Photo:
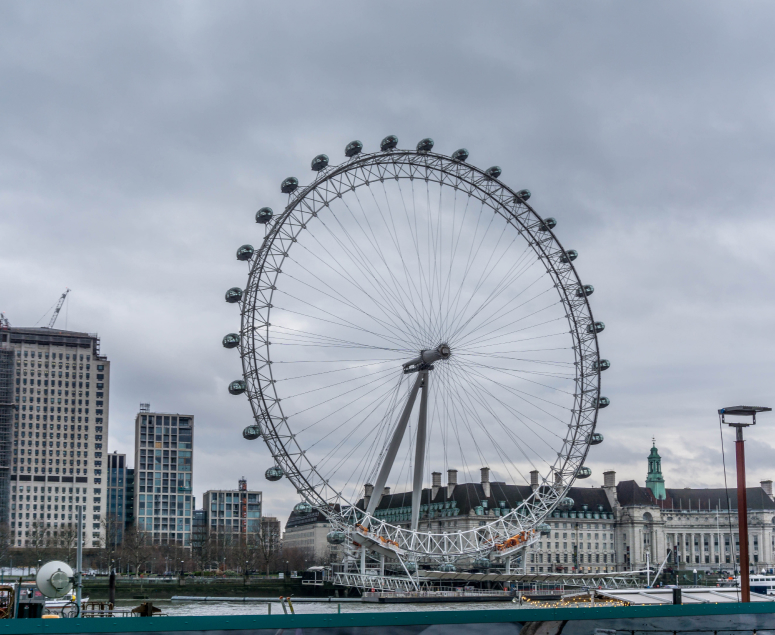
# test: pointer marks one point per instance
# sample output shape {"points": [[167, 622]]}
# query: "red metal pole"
{"points": [[742, 517]]}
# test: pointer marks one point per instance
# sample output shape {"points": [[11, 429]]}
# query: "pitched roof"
{"points": [[715, 498], [630, 493], [467, 496]]}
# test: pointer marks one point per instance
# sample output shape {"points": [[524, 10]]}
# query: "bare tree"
{"points": [[38, 540], [6, 542], [136, 549], [64, 542], [268, 544]]}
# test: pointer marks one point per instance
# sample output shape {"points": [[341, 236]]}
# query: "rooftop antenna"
{"points": [[742, 502]]}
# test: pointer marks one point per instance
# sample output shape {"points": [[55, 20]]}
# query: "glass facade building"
{"points": [[116, 496], [163, 505]]}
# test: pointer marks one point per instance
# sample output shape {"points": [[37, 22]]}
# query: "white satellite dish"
{"points": [[54, 579]]}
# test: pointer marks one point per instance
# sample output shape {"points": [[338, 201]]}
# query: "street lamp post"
{"points": [[742, 502]]}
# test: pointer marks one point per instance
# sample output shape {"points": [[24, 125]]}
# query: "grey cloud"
{"points": [[140, 138]]}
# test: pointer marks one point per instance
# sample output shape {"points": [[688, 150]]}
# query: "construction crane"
{"points": [[57, 309]]}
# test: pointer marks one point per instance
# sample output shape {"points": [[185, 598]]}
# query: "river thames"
{"points": [[182, 608]]}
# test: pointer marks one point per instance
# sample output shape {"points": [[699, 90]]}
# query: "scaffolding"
{"points": [[7, 407]]}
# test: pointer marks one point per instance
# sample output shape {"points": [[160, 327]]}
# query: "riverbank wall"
{"points": [[158, 589]]}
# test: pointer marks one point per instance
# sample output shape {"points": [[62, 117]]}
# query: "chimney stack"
{"points": [[534, 480], [767, 487], [558, 478], [386, 491], [368, 491], [436, 480], [451, 482], [609, 478], [486, 481]]}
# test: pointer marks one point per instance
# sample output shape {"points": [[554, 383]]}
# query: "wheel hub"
{"points": [[427, 358]]}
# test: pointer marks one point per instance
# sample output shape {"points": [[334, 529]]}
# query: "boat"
{"points": [[761, 583], [60, 603]]}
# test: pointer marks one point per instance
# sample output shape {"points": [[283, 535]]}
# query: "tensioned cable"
{"points": [[729, 506], [364, 259], [393, 315]]}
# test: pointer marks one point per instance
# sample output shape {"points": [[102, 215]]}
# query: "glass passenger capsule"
{"points": [[274, 473], [569, 256], [583, 472], [251, 433], [448, 567], [481, 563], [302, 508], [264, 215], [389, 142], [335, 537], [460, 155], [234, 295], [603, 402], [602, 365], [245, 252], [319, 162], [584, 291], [237, 387], [289, 185], [523, 195], [544, 529], [595, 438], [597, 327], [494, 172], [566, 503], [231, 340], [411, 566], [426, 145], [353, 148], [547, 224]]}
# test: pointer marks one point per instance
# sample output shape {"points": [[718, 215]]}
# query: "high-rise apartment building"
{"points": [[233, 514], [162, 474], [60, 390]]}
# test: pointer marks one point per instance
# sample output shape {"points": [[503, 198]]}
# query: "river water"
{"points": [[262, 608]]}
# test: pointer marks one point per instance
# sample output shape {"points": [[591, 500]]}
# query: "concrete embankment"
{"points": [[127, 589]]}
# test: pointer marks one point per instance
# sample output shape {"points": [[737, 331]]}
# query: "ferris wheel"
{"points": [[406, 314]]}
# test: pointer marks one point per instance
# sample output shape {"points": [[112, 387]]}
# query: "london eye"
{"points": [[408, 314]]}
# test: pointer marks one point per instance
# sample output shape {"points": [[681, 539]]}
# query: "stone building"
{"points": [[307, 531], [232, 515], [698, 527], [617, 527], [59, 384]]}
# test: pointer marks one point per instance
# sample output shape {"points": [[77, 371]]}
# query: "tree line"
{"points": [[130, 551]]}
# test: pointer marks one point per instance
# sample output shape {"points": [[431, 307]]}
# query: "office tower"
{"points": [[233, 514], [61, 389], [115, 498], [129, 502], [7, 406], [163, 469]]}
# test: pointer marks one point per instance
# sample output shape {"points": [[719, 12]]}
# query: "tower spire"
{"points": [[654, 479]]}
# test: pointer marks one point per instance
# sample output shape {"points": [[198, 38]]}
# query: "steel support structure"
{"points": [[742, 516]]}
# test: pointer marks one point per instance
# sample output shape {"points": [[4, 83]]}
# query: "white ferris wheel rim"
{"points": [[308, 202]]}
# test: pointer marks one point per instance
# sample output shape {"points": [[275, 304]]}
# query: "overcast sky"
{"points": [[138, 139]]}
